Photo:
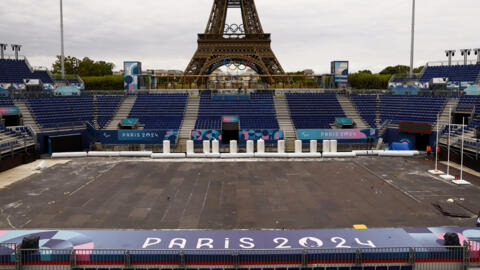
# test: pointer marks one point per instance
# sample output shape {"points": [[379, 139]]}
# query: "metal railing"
{"points": [[12, 257]]}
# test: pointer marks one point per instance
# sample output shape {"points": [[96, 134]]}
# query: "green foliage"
{"points": [[111, 82], [70, 65], [83, 67], [395, 70], [366, 71], [364, 80]]}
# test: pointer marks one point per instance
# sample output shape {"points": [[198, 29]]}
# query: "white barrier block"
{"points": [[260, 146], [103, 154], [190, 147], [166, 147], [136, 153], [271, 155], [250, 147], [215, 147], [397, 154], [233, 147], [206, 147], [326, 146], [313, 146], [339, 155], [237, 155], [298, 146], [69, 155], [169, 155], [333, 146], [281, 147], [304, 155]]}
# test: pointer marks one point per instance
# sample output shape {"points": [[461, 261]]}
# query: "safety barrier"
{"points": [[211, 149], [306, 259]]}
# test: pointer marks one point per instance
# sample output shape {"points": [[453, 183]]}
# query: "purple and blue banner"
{"points": [[268, 135], [136, 136], [230, 119], [336, 134], [10, 110], [242, 239], [130, 74], [200, 135]]}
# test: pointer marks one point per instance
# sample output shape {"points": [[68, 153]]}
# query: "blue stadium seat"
{"points": [[160, 111], [314, 111], [456, 73], [257, 112]]}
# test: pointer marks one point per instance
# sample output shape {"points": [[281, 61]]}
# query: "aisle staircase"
{"points": [[122, 113], [352, 112], [444, 117], [95, 112], [189, 120], [285, 121], [28, 119]]}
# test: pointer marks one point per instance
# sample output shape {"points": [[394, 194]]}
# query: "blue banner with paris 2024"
{"points": [[336, 134]]}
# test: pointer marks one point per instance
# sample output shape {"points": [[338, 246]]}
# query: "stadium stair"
{"points": [[188, 124], [444, 115], [285, 121], [122, 113], [352, 112], [95, 112], [28, 119]]}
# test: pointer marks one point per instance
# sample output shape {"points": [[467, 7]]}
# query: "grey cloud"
{"points": [[370, 34]]}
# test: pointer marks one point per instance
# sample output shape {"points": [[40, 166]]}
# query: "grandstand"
{"points": [[455, 73], [256, 111], [159, 111], [312, 111]]}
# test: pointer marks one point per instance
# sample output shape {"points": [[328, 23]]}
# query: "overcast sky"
{"points": [[371, 34]]}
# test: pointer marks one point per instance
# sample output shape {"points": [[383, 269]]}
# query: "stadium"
{"points": [[235, 163]]}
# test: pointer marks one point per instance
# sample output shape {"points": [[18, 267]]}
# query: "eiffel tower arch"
{"points": [[236, 42]]}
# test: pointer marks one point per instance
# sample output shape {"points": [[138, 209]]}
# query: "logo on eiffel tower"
{"points": [[234, 41]]}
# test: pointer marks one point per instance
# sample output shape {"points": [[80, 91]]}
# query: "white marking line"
{"points": [[168, 207], [206, 195], [10, 223], [81, 187]]}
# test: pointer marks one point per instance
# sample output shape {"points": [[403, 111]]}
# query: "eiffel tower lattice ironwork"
{"points": [[236, 42]]}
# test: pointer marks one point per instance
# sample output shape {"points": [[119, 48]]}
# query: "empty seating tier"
{"points": [[106, 107], [160, 111], [62, 111], [469, 103], [14, 71], [257, 112], [367, 107], [460, 73], [314, 111], [411, 108]]}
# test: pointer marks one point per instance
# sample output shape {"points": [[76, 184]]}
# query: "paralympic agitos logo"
{"points": [[237, 65]]}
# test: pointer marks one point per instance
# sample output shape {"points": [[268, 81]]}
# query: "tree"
{"points": [[395, 70], [70, 65], [84, 67], [366, 71]]}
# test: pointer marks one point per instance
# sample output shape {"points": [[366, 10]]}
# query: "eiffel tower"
{"points": [[236, 42]]}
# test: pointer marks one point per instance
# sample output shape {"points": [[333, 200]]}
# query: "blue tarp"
{"points": [[400, 146]]}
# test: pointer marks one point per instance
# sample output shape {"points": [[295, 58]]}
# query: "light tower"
{"points": [[450, 54], [412, 48], [61, 40], [3, 47], [465, 54], [477, 53], [16, 49]]}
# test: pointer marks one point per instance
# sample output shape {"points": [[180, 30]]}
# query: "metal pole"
{"points": [[436, 148], [61, 37], [449, 132], [412, 48], [463, 133]]}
